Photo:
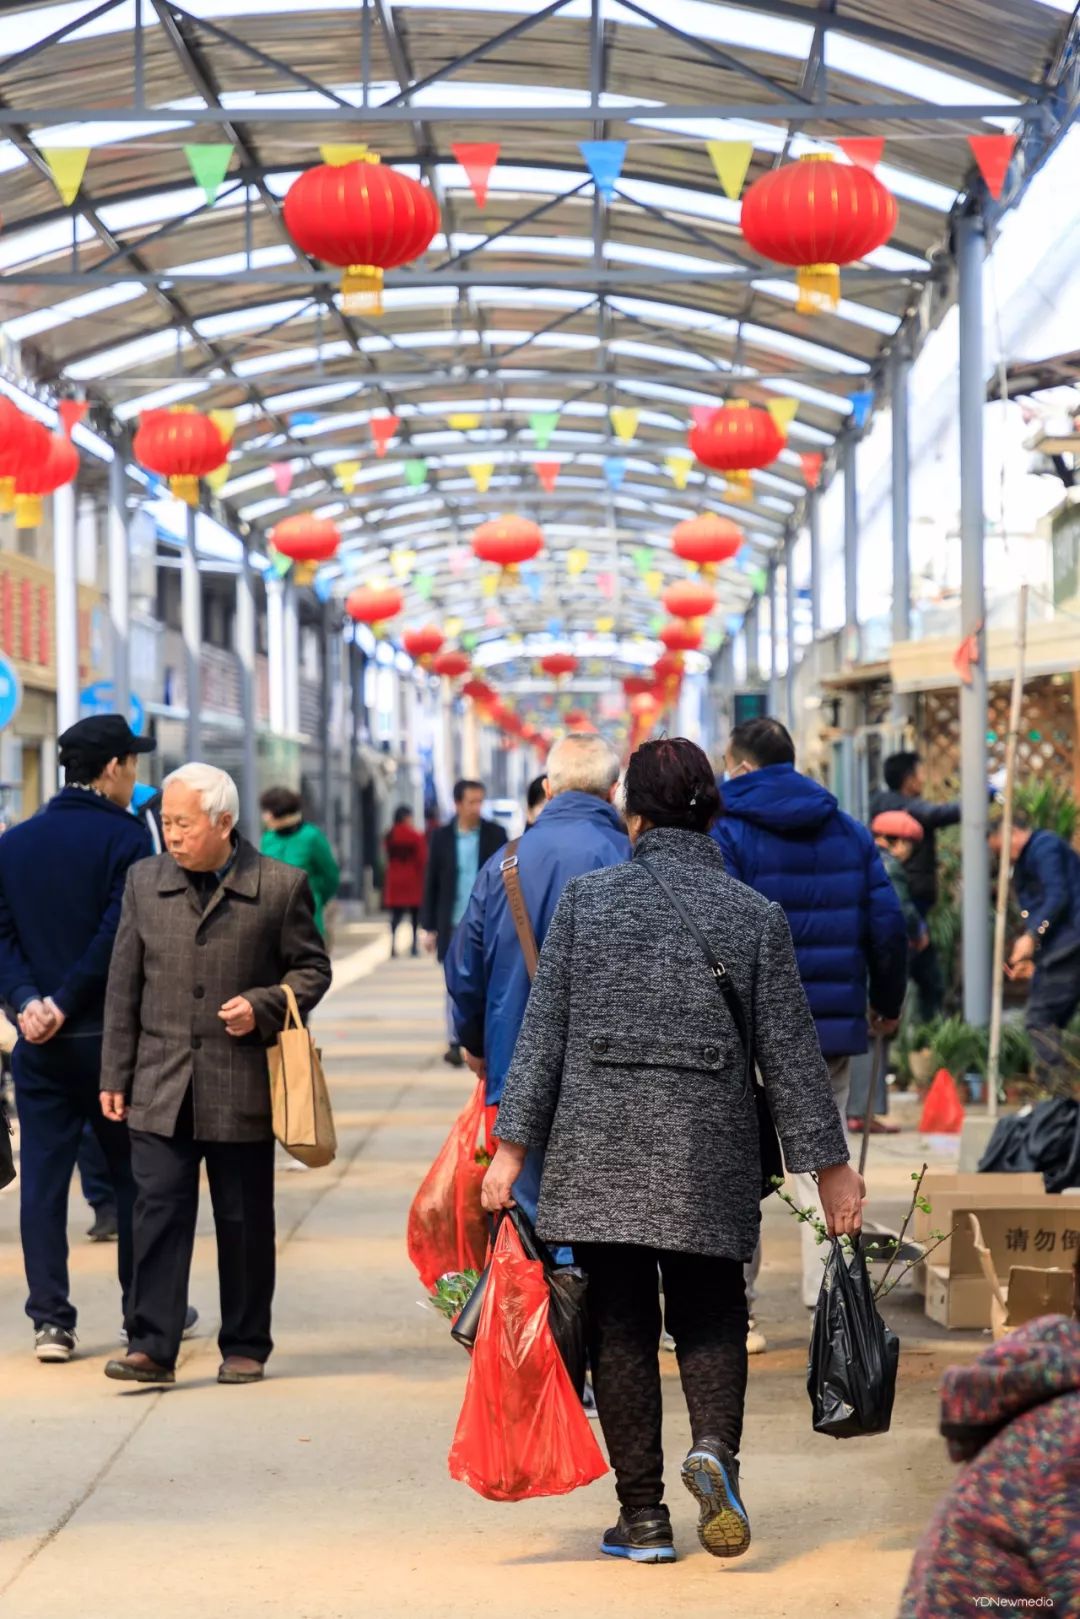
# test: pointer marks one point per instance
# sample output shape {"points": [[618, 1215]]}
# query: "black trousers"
{"points": [[241, 1176], [398, 913], [705, 1312], [1054, 998]]}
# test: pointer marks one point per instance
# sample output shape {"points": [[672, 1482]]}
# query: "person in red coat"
{"points": [[403, 888]]}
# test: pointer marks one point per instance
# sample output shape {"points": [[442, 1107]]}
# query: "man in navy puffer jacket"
{"points": [[785, 835]]}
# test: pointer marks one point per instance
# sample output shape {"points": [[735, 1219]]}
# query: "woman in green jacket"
{"points": [[297, 842]]}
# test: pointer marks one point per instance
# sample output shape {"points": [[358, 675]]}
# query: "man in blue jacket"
{"points": [[785, 835], [1046, 874], [578, 831], [62, 879]]}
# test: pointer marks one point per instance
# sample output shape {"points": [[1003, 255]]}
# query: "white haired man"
{"points": [[208, 933]]}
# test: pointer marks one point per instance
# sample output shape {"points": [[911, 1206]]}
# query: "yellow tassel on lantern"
{"points": [[739, 486], [819, 288], [362, 289], [7, 494], [27, 511], [304, 572], [185, 488]]}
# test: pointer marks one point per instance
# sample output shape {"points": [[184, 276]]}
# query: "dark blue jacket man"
{"points": [[577, 831], [1046, 875], [62, 877]]}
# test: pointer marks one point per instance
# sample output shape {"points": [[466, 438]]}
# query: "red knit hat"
{"points": [[896, 824]]}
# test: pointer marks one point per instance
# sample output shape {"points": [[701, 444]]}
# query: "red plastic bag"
{"points": [[943, 1111], [448, 1229], [522, 1431]]}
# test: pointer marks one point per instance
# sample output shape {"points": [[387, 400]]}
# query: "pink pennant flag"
{"points": [[383, 429], [283, 476], [477, 158], [548, 473], [993, 154], [812, 462], [966, 654], [72, 412], [605, 584], [864, 152], [702, 415]]}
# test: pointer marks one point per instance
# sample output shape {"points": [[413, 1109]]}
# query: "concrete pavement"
{"points": [[323, 1493]]}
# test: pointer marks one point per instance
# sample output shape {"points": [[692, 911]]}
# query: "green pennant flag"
{"points": [[760, 581], [208, 165], [656, 623], [643, 559], [542, 424], [415, 473], [424, 585], [469, 641], [280, 564]]}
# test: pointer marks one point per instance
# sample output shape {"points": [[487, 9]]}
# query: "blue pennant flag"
{"points": [[605, 160], [614, 470], [733, 623], [303, 418], [861, 404], [323, 586], [533, 582], [554, 626]]}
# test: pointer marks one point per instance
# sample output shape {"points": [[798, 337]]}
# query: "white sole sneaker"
{"points": [[52, 1353]]}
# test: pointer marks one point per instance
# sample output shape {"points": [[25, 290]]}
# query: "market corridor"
{"points": [[323, 1494]]}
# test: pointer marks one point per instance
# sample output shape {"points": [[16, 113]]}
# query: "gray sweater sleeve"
{"points": [[789, 1056], [531, 1093]]}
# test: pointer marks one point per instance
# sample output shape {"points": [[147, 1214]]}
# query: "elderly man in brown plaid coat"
{"points": [[207, 933]]}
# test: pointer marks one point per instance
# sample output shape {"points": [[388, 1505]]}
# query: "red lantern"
{"points": [[46, 462], [422, 644], [636, 686], [181, 445], [451, 665], [366, 605], [689, 599], [736, 438], [14, 430], [577, 720], [706, 541], [558, 664], [364, 218], [306, 540], [816, 215], [508, 541], [680, 637], [669, 667], [479, 691]]}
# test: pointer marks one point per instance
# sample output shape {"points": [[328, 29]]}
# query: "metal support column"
{"points": [[789, 630], [851, 551], [191, 627], [275, 654], [291, 625], [119, 584], [813, 513], [774, 644], [356, 803], [325, 675], [900, 367], [970, 252], [67, 608], [244, 636], [752, 636]]}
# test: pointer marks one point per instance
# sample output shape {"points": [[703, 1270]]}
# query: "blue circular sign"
{"points": [[10, 692]]}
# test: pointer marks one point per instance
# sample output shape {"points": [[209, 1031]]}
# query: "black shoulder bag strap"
{"points": [[772, 1162]]}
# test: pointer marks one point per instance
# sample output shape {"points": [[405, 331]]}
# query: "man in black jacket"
{"points": [[458, 851]]}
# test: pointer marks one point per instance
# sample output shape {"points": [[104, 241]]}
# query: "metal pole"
{"points": [[789, 626], [275, 654], [356, 716], [774, 644], [191, 627], [291, 694], [975, 855], [324, 714], [813, 512], [900, 367], [851, 551], [997, 982], [119, 583], [66, 608], [244, 634]]}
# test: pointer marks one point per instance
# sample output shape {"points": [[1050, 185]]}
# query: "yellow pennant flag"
{"points": [[463, 421], [577, 561], [654, 581], [337, 156], [218, 478], [346, 473], [624, 420], [481, 472], [225, 422], [783, 412], [731, 160], [67, 165], [489, 584], [604, 626], [402, 563], [678, 469], [453, 628]]}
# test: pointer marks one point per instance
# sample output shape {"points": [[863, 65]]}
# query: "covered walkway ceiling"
{"points": [[548, 298]]}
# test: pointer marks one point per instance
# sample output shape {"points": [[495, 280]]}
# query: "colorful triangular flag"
{"points": [[279, 563], [533, 581], [702, 415], [812, 462], [463, 421], [346, 473], [477, 158], [337, 155], [489, 584], [678, 469], [542, 424], [643, 559], [72, 412], [731, 160], [966, 654], [605, 584], [783, 412], [303, 418], [459, 560], [209, 165], [604, 160], [481, 473], [993, 154], [219, 477], [402, 563], [864, 152], [415, 473], [861, 403], [67, 165], [624, 419], [577, 560], [654, 581], [759, 579], [604, 626], [225, 422], [283, 476], [614, 470], [548, 473], [383, 429], [424, 586]]}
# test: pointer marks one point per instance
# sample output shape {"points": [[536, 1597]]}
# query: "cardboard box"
{"points": [[947, 1190], [1040, 1235], [1027, 1293]]}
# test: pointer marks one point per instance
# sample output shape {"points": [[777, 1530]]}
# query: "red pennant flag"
{"points": [[702, 415], [548, 473], [812, 462], [993, 154], [383, 429], [477, 158], [72, 411], [965, 655], [865, 153]]}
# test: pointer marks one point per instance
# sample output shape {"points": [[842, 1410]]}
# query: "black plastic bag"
{"points": [[853, 1354], [1046, 1140], [7, 1157], [567, 1286]]}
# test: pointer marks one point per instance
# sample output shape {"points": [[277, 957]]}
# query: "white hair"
{"points": [[582, 762], [216, 789]]}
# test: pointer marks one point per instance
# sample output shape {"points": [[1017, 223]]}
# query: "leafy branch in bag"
{"points": [[451, 1292]]}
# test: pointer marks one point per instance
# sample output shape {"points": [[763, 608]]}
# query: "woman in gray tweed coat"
{"points": [[629, 1074]]}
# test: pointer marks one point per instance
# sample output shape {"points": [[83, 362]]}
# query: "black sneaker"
{"points": [[453, 1056], [642, 1535], [54, 1344], [104, 1228], [711, 1474]]}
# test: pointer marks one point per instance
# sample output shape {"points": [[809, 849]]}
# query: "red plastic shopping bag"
{"points": [[522, 1431], [448, 1230], [943, 1111]]}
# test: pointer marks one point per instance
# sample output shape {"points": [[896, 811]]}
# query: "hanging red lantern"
{"points": [[15, 428], [636, 685], [479, 691], [668, 667], [734, 439], [305, 538], [817, 215], [451, 665], [369, 605], [423, 643], [679, 636], [46, 463], [558, 664], [689, 598], [363, 217], [706, 541], [576, 719], [508, 541], [181, 445]]}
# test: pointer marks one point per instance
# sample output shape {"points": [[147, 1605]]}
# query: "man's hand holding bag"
{"points": [[299, 1096]]}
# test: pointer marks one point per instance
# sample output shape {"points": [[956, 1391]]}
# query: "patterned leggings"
{"points": [[705, 1312]]}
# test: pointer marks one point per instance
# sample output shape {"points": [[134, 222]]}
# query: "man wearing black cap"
{"points": [[62, 877]]}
